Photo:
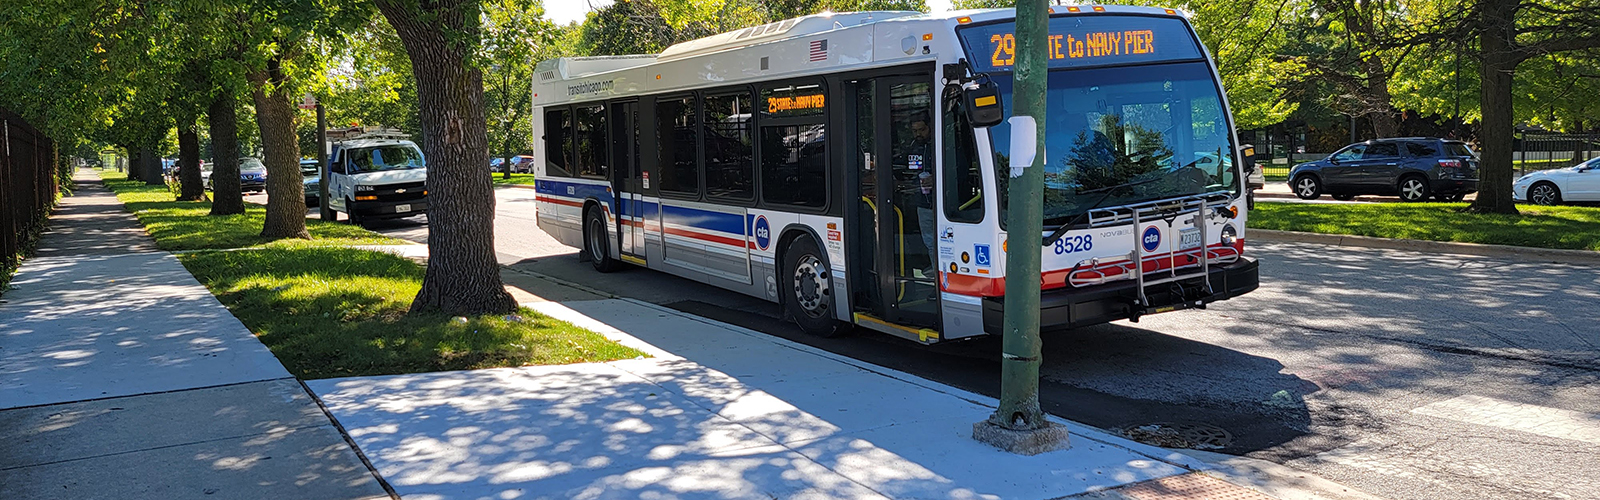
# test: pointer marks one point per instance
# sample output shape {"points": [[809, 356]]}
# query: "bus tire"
{"points": [[808, 289], [595, 243]]}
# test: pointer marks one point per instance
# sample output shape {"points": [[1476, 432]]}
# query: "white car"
{"points": [[1579, 182]]}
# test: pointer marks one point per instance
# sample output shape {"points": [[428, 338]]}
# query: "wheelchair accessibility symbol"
{"points": [[980, 255]]}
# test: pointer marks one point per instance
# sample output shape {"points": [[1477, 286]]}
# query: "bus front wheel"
{"points": [[808, 289]]}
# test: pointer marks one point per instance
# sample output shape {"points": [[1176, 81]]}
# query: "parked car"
{"points": [[312, 179], [1414, 168], [1579, 182], [252, 175], [522, 164]]}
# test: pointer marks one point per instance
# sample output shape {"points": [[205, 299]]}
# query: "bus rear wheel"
{"points": [[808, 289], [596, 243]]}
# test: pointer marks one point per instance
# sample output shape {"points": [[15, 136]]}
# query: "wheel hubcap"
{"points": [[1412, 190], [596, 233], [1543, 195], [812, 287], [1308, 187]]}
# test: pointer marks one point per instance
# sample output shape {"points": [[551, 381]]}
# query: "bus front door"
{"points": [[895, 167], [628, 185]]}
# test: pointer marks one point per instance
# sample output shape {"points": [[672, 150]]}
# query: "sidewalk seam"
{"points": [[108, 398], [163, 447], [384, 483]]}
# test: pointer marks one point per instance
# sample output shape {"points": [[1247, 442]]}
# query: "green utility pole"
{"points": [[1018, 425]]}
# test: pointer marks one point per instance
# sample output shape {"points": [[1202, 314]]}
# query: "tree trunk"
{"points": [[1384, 125], [150, 168], [1383, 121], [286, 197], [462, 277], [134, 163], [189, 163], [224, 119], [1494, 165]]}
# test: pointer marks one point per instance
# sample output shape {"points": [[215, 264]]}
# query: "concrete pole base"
{"points": [[1052, 437]]}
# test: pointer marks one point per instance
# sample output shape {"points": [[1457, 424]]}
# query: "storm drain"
{"points": [[1176, 435], [1190, 487]]}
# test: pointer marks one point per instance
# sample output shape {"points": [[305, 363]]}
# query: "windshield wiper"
{"points": [[1108, 190]]}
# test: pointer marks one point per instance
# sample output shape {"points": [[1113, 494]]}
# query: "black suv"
{"points": [[1414, 168]]}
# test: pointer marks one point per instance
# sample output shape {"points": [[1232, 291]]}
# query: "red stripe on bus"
{"points": [[559, 201], [704, 237]]}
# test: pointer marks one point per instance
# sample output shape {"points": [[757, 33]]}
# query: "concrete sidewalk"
{"points": [[723, 412], [123, 377]]}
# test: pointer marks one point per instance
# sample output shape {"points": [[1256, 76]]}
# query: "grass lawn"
{"points": [[186, 225], [517, 179], [339, 312], [1543, 227]]}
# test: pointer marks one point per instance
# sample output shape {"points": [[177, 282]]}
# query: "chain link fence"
{"points": [[28, 187]]}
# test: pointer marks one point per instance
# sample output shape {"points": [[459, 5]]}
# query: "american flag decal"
{"points": [[819, 50]]}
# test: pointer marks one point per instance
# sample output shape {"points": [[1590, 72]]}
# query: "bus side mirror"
{"points": [[1247, 155], [983, 104]]}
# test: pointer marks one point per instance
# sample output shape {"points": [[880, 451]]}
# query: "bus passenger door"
{"points": [[628, 186], [895, 165]]}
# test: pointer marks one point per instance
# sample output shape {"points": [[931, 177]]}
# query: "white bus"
{"points": [[830, 163]]}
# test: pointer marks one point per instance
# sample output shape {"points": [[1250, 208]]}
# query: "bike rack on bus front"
{"points": [[1092, 272]]}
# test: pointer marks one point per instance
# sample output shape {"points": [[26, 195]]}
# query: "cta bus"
{"points": [[852, 167]]}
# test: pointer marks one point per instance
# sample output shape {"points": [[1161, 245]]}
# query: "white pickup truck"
{"points": [[377, 177]]}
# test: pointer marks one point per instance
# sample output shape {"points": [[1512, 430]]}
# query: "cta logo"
{"points": [[1151, 239], [763, 232]]}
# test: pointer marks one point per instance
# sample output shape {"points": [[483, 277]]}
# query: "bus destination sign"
{"points": [[777, 105], [1086, 45], [1086, 41]]}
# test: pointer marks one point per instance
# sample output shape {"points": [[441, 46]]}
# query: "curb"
{"points": [[1582, 257], [518, 186], [1260, 195]]}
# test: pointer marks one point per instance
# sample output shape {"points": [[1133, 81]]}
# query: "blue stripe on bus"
{"points": [[579, 190], [696, 218], [704, 219]]}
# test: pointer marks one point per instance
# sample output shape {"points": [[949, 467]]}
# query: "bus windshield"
{"points": [[1160, 127]]}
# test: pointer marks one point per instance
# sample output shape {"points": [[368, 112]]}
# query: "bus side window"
{"points": [[558, 142], [793, 165], [591, 139], [963, 177], [676, 122], [729, 153]]}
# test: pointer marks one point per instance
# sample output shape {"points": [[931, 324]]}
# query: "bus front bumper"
{"points": [[1066, 308]]}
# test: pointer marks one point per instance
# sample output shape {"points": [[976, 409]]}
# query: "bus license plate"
{"points": [[1189, 238], [407, 208]]}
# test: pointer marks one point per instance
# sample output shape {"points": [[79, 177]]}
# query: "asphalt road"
{"points": [[1403, 374]]}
